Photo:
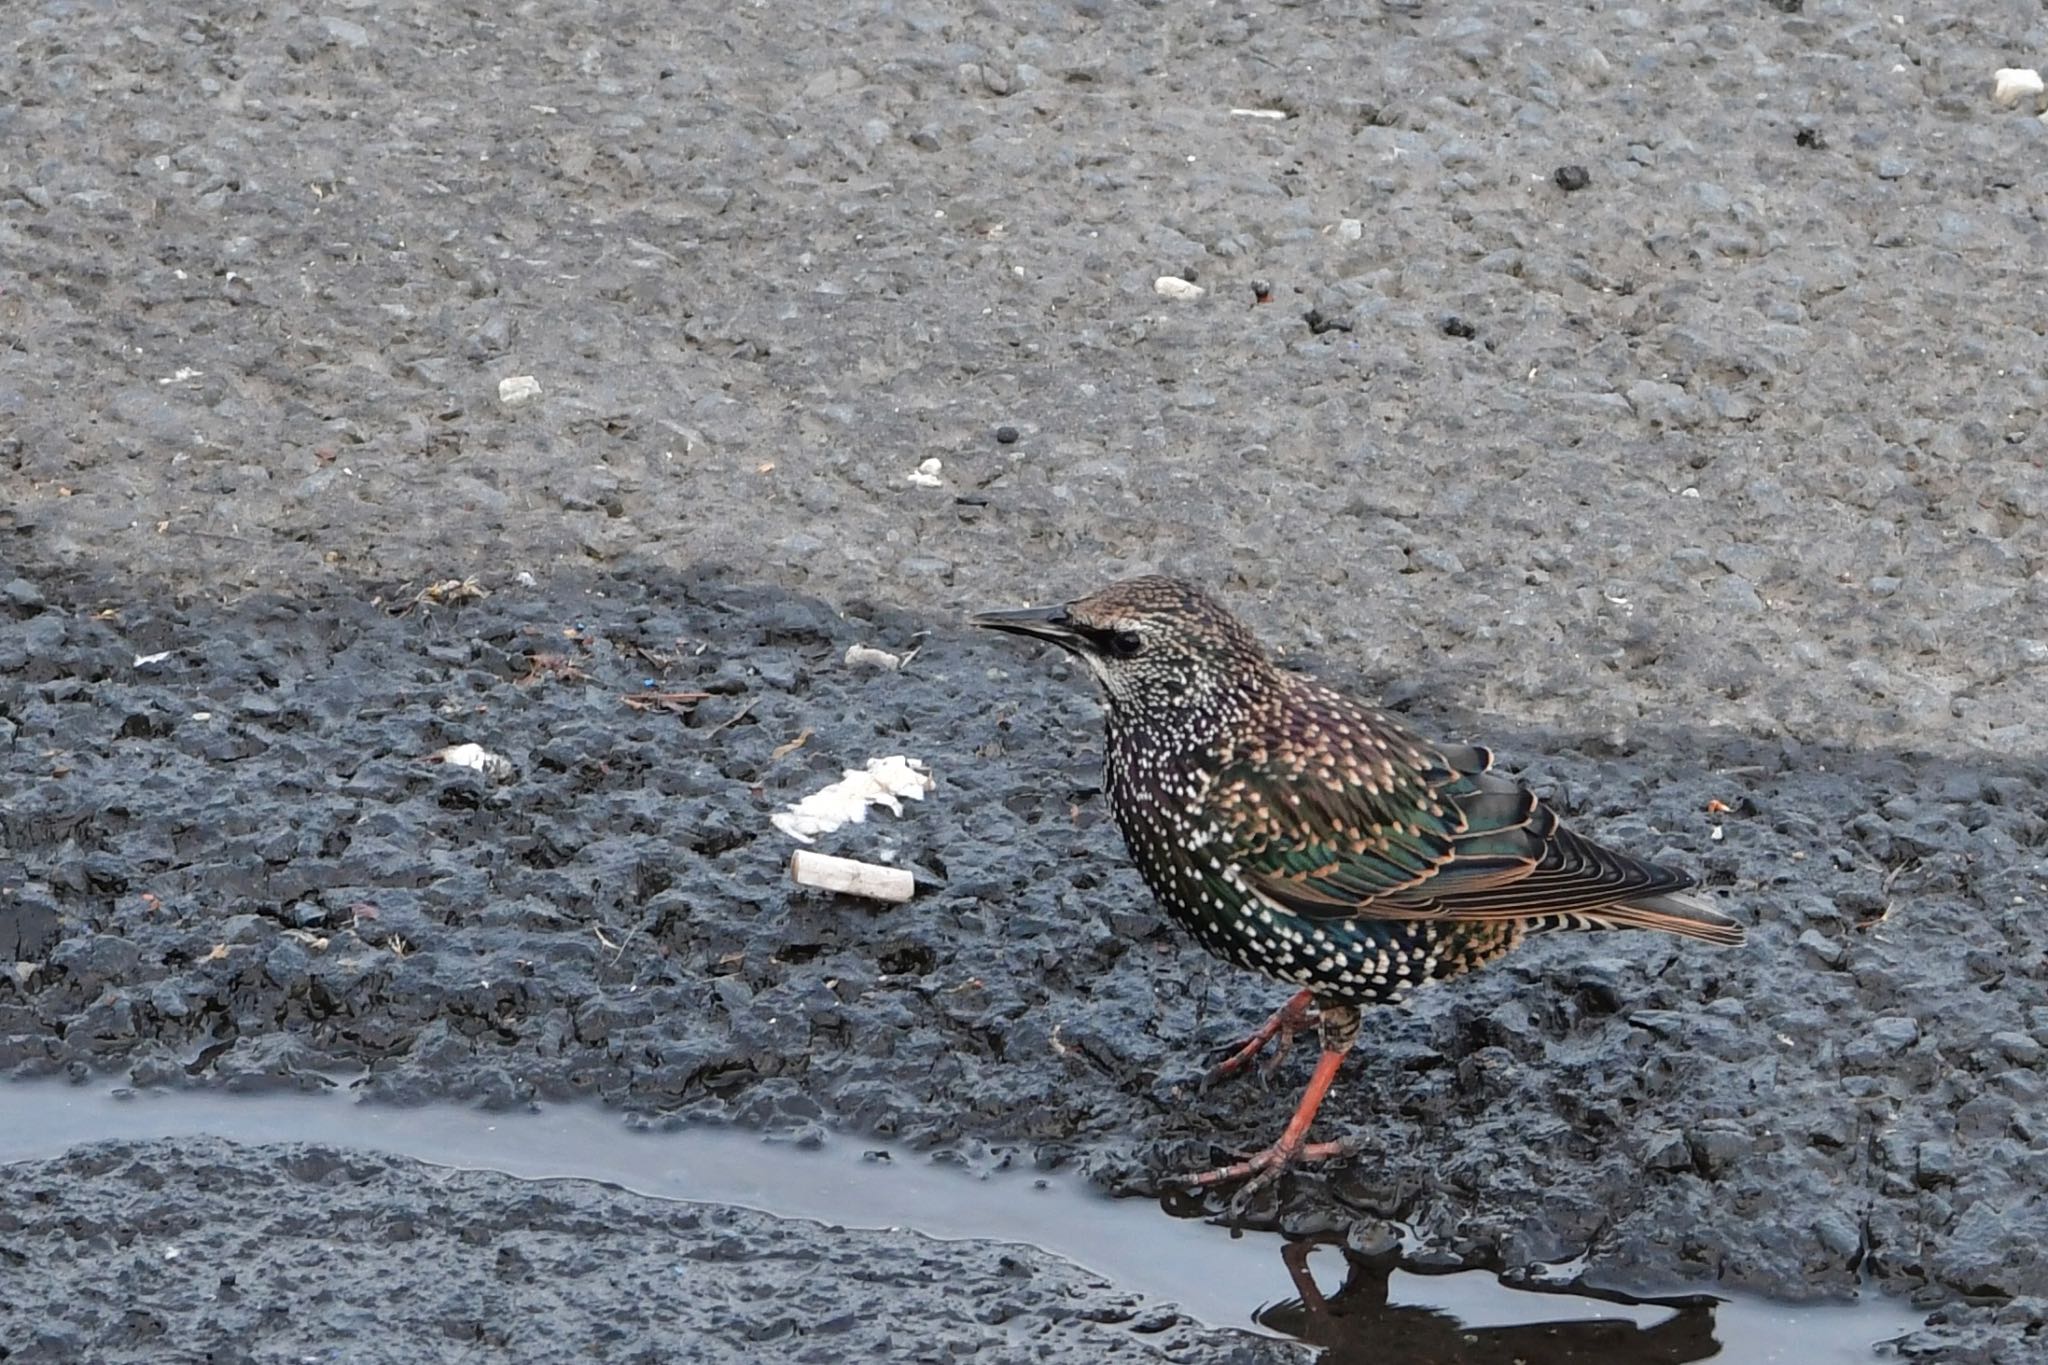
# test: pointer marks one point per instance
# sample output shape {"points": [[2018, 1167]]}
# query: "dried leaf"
{"points": [[677, 703]]}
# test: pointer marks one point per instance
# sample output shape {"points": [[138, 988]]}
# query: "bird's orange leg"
{"points": [[1291, 1018], [1339, 1025]]}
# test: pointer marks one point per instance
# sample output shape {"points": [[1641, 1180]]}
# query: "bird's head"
{"points": [[1157, 645]]}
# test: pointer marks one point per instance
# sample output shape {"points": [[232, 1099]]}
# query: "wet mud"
{"points": [[238, 865]]}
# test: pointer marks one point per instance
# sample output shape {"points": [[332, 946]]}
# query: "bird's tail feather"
{"points": [[1674, 913]]}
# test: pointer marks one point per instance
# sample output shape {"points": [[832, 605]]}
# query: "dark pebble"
{"points": [[1007, 436], [1571, 178], [22, 595]]}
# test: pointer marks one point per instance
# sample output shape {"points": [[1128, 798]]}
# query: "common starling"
{"points": [[1301, 834]]}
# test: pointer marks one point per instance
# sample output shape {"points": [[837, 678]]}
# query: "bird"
{"points": [[1317, 840]]}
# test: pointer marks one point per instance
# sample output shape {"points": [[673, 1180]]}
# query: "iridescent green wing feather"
{"points": [[1347, 815], [1339, 805]]}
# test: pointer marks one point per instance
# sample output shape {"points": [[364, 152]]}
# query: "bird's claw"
{"points": [[1271, 1062], [1236, 1063], [1279, 1030], [1261, 1168], [1258, 1169], [1228, 1067], [1242, 1200]]}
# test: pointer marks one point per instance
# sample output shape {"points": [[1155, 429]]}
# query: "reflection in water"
{"points": [[1357, 1325]]}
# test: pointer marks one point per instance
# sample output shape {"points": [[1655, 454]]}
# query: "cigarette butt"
{"points": [[850, 878]]}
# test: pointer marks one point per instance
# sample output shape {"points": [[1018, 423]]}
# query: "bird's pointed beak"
{"points": [[1043, 623]]}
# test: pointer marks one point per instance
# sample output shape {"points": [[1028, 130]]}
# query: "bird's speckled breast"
{"points": [[1184, 857]]}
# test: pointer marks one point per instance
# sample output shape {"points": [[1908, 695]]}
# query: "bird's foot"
{"points": [[1262, 1168], [1291, 1018], [1241, 1060]]}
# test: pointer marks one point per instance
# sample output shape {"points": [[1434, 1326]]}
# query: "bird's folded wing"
{"points": [[1454, 844]]}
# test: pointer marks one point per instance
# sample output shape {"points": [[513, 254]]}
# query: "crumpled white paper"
{"points": [[846, 801], [497, 767]]}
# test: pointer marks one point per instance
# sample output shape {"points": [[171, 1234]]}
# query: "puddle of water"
{"points": [[1320, 1295]]}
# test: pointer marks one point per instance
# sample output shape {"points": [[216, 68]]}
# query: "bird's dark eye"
{"points": [[1125, 644]]}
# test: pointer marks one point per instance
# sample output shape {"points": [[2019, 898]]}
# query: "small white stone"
{"points": [[1350, 229], [1174, 287], [2011, 84], [866, 656], [927, 475], [344, 32], [516, 389]]}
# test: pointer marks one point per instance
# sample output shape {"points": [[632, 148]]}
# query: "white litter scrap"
{"points": [[1259, 113], [2012, 84], [846, 801], [848, 877], [517, 389], [927, 475], [1174, 287], [867, 656], [497, 767]]}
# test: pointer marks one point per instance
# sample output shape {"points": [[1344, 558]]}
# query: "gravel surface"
{"points": [[264, 271], [1655, 393]]}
